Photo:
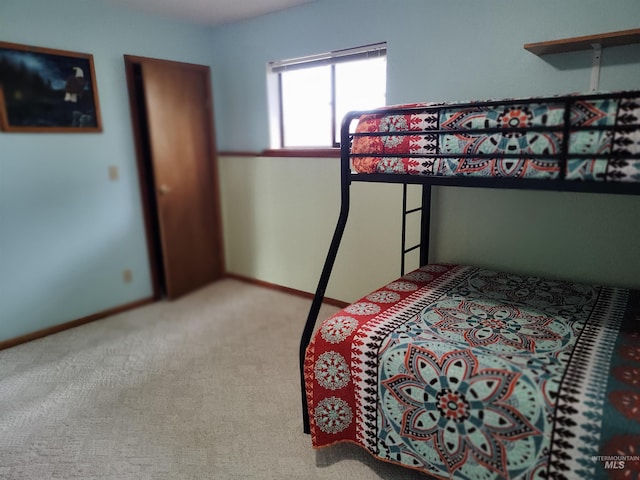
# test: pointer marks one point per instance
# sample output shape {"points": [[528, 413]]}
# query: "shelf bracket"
{"points": [[595, 67]]}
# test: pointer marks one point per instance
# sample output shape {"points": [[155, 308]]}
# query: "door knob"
{"points": [[164, 189]]}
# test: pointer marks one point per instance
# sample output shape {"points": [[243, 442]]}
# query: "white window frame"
{"points": [[274, 85]]}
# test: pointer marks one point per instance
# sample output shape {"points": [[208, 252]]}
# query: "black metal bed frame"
{"points": [[557, 184]]}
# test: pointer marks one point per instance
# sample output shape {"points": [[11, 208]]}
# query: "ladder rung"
{"points": [[412, 210], [411, 249]]}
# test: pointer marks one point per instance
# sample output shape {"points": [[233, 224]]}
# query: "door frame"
{"points": [[145, 170]]}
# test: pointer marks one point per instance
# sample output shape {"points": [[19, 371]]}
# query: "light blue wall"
{"points": [[437, 50], [67, 232]]}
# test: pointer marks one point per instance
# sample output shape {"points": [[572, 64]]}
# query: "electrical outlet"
{"points": [[113, 172], [127, 276]]}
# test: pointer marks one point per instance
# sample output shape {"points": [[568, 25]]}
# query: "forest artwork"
{"points": [[44, 90]]}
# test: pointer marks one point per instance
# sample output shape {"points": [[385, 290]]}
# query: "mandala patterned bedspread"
{"points": [[608, 146], [466, 373]]}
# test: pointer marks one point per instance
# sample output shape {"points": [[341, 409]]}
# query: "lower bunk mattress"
{"points": [[462, 372]]}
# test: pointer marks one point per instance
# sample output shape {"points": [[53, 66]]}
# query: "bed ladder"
{"points": [[425, 209]]}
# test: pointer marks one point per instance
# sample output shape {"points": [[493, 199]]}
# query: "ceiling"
{"points": [[209, 12]]}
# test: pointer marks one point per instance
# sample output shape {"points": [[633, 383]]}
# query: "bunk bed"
{"points": [[463, 372]]}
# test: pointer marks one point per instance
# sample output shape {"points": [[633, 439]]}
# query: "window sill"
{"points": [[302, 152]]}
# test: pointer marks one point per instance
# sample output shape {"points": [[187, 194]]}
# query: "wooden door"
{"points": [[179, 124]]}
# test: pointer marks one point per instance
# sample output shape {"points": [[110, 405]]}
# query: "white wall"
{"points": [[279, 215]]}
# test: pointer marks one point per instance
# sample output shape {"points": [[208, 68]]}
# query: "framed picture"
{"points": [[46, 90]]}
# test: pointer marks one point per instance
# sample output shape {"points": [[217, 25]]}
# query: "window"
{"points": [[310, 95]]}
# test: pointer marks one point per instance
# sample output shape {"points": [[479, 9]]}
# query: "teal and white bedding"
{"points": [[466, 373], [599, 136]]}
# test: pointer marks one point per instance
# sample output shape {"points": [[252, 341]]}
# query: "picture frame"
{"points": [[44, 90]]}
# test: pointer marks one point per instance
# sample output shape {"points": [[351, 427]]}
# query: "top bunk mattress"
{"points": [[578, 137]]}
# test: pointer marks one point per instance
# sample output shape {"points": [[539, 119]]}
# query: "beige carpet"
{"points": [[203, 387]]}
